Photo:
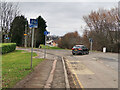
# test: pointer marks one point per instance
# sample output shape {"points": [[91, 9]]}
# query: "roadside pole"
{"points": [[32, 46], [33, 25], [91, 43], [91, 46], [45, 48], [45, 33], [25, 36]]}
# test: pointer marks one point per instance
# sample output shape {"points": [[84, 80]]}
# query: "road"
{"points": [[96, 70]]}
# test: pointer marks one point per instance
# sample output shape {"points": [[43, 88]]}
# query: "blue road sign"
{"points": [[33, 23], [90, 40], [46, 32], [7, 38], [33, 26]]}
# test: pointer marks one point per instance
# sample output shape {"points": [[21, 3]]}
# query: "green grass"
{"points": [[48, 47], [15, 66]]}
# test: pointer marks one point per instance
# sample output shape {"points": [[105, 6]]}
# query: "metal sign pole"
{"points": [[33, 25], [91, 46], [45, 48], [45, 33], [91, 42], [32, 46]]}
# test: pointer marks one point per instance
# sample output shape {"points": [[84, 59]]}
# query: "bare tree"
{"points": [[103, 25], [9, 11], [69, 40]]}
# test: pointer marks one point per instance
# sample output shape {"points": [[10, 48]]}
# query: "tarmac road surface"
{"points": [[96, 70]]}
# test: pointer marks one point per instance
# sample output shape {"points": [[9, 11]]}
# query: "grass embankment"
{"points": [[48, 47], [15, 66]]}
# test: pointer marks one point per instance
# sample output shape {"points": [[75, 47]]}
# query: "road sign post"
{"points": [[32, 46], [91, 43], [33, 25], [45, 48], [45, 33], [91, 46]]}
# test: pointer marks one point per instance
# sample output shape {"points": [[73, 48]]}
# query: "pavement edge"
{"points": [[66, 76]]}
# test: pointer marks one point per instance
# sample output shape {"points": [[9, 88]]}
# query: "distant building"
{"points": [[52, 43]]}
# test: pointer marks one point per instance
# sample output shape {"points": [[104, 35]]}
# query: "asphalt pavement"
{"points": [[96, 70]]}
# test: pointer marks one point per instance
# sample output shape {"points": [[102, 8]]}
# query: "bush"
{"points": [[7, 47]]}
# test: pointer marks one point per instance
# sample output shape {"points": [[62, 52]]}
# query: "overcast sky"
{"points": [[62, 17]]}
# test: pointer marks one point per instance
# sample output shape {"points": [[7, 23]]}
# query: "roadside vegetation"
{"points": [[48, 47], [14, 25], [7, 47], [102, 27], [69, 40], [15, 66]]}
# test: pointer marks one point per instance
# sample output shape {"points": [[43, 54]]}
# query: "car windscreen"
{"points": [[77, 47]]}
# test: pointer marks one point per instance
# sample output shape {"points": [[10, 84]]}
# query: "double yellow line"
{"points": [[80, 84]]}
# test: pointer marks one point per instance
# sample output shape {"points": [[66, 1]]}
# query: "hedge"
{"points": [[7, 47]]}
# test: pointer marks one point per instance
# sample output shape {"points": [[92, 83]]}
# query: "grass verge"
{"points": [[15, 66], [48, 47]]}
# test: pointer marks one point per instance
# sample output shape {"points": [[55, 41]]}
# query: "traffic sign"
{"points": [[46, 32], [33, 23], [91, 43], [90, 40], [7, 38]]}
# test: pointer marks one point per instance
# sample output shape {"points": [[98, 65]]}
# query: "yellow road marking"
{"points": [[79, 82], [72, 76], [76, 76], [74, 80]]}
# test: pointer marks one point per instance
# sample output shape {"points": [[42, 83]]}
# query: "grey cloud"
{"points": [[62, 17]]}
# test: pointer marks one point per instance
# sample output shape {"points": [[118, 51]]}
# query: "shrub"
{"points": [[7, 47]]}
